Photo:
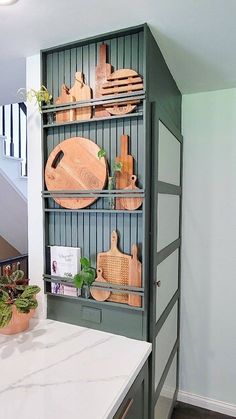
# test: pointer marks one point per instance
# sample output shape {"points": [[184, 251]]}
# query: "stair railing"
{"points": [[13, 120]]}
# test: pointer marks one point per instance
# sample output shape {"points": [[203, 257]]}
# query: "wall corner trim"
{"points": [[206, 403]]}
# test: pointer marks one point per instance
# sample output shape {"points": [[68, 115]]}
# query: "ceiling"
{"points": [[197, 37]]}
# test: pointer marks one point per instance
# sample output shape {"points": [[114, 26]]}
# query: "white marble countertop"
{"points": [[58, 371]]}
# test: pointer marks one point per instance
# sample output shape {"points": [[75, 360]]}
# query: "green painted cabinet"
{"points": [[154, 130]]}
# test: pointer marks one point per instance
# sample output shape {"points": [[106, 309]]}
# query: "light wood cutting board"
{"points": [[115, 268], [74, 165], [123, 177], [81, 91], [135, 277], [131, 203], [100, 294], [65, 97], [102, 72]]}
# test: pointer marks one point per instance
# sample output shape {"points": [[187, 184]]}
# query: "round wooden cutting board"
{"points": [[74, 165]]}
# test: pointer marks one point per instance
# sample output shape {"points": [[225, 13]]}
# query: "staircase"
{"points": [[13, 181]]}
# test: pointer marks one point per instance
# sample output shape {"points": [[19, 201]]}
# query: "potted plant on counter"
{"points": [[17, 303], [84, 279]]}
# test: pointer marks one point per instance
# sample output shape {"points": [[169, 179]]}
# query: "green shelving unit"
{"points": [[90, 228]]}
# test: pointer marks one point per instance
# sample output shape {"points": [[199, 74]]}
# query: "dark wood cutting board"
{"points": [[74, 165]]}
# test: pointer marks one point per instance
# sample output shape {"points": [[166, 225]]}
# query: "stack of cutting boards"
{"points": [[118, 268]]}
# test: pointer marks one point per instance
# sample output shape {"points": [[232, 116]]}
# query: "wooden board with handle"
{"points": [[65, 97], [131, 203], [122, 81], [74, 165], [115, 268], [102, 72], [100, 294], [135, 277], [81, 91], [127, 161]]}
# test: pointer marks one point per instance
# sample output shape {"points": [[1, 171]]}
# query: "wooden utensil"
{"points": [[74, 165], [100, 295], [81, 91], [65, 97], [122, 81], [115, 268], [102, 72], [135, 277], [123, 177], [131, 203]]}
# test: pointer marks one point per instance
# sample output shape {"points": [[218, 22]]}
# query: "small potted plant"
{"points": [[17, 302], [41, 97], [115, 168], [84, 279]]}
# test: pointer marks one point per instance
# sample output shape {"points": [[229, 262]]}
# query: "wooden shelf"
{"points": [[94, 211]]}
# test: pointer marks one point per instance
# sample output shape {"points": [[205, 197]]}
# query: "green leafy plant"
{"points": [[115, 167], [87, 274], [15, 291], [41, 96]]}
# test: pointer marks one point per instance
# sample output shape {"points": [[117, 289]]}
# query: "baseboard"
{"points": [[206, 403]]}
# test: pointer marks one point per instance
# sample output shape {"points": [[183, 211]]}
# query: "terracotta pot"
{"points": [[19, 322]]}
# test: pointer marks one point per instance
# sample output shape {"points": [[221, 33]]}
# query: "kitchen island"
{"points": [[57, 371]]}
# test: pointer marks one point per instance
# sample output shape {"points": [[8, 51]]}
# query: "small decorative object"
{"points": [[74, 165], [127, 161], [84, 279], [17, 303], [65, 263], [41, 96], [81, 91], [65, 97], [115, 168], [131, 203]]}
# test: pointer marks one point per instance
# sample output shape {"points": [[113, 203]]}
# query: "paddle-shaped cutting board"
{"points": [[74, 165], [65, 97], [102, 72], [135, 277], [102, 294], [127, 161], [131, 203], [115, 268], [81, 91]]}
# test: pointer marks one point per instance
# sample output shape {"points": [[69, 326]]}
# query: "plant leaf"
{"points": [[78, 280], [30, 291], [102, 153], [85, 262], [5, 314], [4, 296]]}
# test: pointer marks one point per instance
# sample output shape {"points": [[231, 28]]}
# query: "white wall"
{"points": [[208, 321], [35, 213], [13, 77]]}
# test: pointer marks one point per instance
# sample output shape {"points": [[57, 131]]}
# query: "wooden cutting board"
{"points": [[65, 97], [115, 268], [135, 277], [102, 72], [74, 165], [123, 177], [132, 203], [81, 91], [122, 81], [100, 295]]}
